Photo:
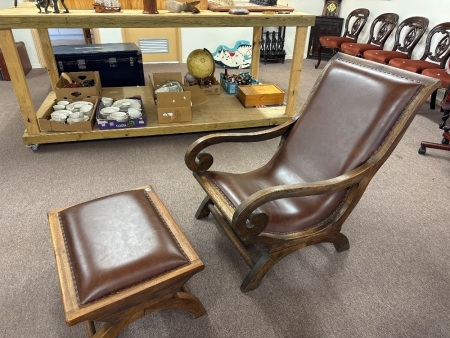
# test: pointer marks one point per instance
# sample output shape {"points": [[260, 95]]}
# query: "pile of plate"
{"points": [[122, 110], [66, 112]]}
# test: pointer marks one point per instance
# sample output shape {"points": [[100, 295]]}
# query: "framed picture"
{"points": [[331, 8]]}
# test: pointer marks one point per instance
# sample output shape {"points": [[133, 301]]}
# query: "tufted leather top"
{"points": [[342, 124], [115, 242]]}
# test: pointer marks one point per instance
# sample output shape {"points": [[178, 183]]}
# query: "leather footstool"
{"points": [[120, 257]]}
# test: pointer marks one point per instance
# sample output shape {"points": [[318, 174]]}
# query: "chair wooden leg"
{"points": [[433, 99], [340, 241], [90, 327], [203, 210], [319, 57]]}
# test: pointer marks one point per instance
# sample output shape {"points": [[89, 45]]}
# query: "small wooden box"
{"points": [[260, 95]]}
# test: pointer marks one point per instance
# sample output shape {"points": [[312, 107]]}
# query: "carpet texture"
{"points": [[393, 282]]}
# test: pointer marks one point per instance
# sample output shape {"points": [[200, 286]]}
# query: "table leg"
{"points": [[47, 53], [19, 81], [296, 70], [256, 51]]}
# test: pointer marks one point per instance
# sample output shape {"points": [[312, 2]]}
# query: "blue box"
{"points": [[232, 87]]}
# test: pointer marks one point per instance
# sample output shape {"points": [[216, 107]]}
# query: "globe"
{"points": [[200, 63]]}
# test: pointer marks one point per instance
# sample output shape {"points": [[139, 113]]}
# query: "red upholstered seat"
{"points": [[333, 41], [357, 49], [440, 74], [411, 31], [416, 66], [383, 56], [381, 28]]}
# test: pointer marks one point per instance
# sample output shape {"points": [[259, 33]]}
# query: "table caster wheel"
{"points": [[445, 141], [33, 147], [422, 150]]}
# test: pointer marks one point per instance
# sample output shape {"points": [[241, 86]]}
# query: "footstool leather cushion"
{"points": [[115, 242]]}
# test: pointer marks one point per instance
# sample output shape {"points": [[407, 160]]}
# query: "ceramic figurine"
{"points": [[178, 7], [43, 4], [56, 8]]}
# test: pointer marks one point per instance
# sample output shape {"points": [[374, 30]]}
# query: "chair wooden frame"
{"points": [[245, 224], [354, 24]]}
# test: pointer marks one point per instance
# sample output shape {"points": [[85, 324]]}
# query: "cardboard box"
{"points": [[175, 107], [104, 124], [46, 125], [213, 89], [260, 95], [78, 93]]}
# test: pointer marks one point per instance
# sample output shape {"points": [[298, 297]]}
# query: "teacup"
{"points": [[107, 101], [63, 103], [134, 113], [86, 109], [59, 107], [75, 119], [118, 116], [76, 115]]}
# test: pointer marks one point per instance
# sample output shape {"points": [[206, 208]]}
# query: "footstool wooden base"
{"points": [[119, 258]]}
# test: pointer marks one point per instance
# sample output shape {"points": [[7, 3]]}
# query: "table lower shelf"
{"points": [[221, 112]]}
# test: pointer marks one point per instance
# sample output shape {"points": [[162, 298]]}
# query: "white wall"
{"points": [[192, 38]]}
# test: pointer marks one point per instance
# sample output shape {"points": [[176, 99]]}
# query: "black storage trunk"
{"points": [[119, 64]]}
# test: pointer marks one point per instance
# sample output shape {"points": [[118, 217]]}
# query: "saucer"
{"points": [[127, 103]]}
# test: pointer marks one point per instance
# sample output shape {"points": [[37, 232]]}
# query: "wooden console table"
{"points": [[219, 113]]}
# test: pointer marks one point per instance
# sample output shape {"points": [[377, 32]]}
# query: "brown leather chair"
{"points": [[380, 30], [408, 34], [354, 24], [327, 156]]}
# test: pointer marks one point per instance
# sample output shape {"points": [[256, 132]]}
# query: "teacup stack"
{"points": [[66, 112]]}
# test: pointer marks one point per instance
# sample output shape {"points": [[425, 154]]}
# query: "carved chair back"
{"points": [[437, 46], [408, 34], [355, 22], [381, 28]]}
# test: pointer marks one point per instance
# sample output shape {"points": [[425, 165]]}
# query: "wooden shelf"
{"points": [[221, 112]]}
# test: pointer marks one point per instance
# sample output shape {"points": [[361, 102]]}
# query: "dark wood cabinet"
{"points": [[324, 26]]}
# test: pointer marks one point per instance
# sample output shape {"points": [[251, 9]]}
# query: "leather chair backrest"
{"points": [[344, 121]]}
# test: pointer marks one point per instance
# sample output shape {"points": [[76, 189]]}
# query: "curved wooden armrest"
{"points": [[249, 222], [198, 161]]}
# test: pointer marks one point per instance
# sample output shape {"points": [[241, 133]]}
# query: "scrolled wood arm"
{"points": [[199, 161], [249, 222]]}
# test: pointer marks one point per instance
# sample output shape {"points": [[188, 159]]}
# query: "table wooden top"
{"points": [[26, 16]]}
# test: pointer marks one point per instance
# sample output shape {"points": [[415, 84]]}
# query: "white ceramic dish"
{"points": [[78, 104], [134, 113], [127, 103]]}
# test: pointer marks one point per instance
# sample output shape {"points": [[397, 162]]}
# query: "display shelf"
{"points": [[221, 112]]}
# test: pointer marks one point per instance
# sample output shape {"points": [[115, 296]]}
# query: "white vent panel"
{"points": [[150, 46]]}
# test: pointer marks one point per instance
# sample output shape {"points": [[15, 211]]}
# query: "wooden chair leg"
{"points": [[340, 241], [90, 327], [319, 56], [433, 100], [203, 210]]}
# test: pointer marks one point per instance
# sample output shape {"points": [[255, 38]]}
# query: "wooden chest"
{"points": [[260, 95]]}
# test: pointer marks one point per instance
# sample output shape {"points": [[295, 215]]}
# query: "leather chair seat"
{"points": [[383, 56], [286, 215], [357, 49], [333, 42], [416, 66], [116, 242]]}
